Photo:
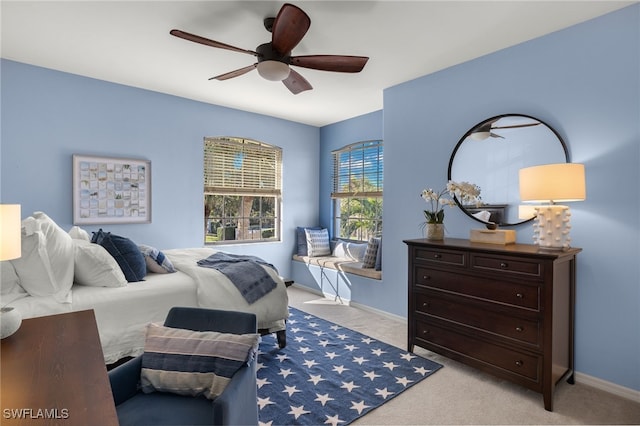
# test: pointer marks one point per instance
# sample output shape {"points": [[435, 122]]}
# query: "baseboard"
{"points": [[394, 317], [608, 387]]}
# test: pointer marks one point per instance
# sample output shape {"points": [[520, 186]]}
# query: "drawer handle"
{"points": [[520, 295], [425, 332], [426, 277], [504, 265], [437, 256], [519, 363], [425, 304], [519, 329]]}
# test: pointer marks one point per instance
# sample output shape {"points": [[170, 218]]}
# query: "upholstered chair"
{"points": [[236, 405]]}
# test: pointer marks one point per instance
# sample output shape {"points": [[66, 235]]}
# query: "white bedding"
{"points": [[216, 291], [123, 312]]}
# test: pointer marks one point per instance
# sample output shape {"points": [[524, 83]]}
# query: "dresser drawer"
{"points": [[442, 257], [516, 294], [479, 316], [490, 355], [507, 265]]}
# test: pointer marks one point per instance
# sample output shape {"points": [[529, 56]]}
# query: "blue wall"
{"points": [[583, 81], [47, 116]]}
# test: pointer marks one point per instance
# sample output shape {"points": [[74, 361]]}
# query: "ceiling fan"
{"points": [[274, 58], [485, 130]]}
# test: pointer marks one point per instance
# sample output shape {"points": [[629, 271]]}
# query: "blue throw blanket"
{"points": [[244, 271]]}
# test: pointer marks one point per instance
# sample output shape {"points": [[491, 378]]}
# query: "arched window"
{"points": [[357, 190], [242, 190]]}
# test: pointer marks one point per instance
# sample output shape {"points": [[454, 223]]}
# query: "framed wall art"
{"points": [[111, 190]]}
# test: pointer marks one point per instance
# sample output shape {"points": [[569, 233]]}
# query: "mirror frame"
{"points": [[470, 131]]}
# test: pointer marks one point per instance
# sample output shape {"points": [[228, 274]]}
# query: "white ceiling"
{"points": [[128, 42]]}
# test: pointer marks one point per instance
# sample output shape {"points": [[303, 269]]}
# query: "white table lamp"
{"points": [[10, 248], [549, 184]]}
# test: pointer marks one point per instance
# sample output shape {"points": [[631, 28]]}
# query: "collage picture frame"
{"points": [[109, 190]]}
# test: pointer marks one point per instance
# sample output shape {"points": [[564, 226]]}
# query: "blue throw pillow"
{"points": [[125, 252], [378, 265], [301, 238]]}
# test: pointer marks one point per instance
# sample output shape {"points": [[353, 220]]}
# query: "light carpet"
{"points": [[328, 374]]}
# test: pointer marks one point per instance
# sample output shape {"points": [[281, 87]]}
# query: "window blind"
{"points": [[237, 166], [357, 170]]}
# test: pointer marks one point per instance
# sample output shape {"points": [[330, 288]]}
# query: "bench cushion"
{"points": [[340, 264]]}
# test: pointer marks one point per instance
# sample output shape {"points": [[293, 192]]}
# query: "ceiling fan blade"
{"points": [[207, 42], [336, 63], [516, 126], [296, 83], [290, 25], [236, 73]]}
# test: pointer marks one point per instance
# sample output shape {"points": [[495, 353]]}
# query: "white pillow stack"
{"points": [[78, 233], [95, 267], [47, 262]]}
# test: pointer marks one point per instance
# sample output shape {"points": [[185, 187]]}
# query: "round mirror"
{"points": [[490, 155]]}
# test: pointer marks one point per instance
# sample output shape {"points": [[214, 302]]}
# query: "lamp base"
{"points": [[551, 227], [10, 320]]}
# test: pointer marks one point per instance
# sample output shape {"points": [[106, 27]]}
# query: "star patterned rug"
{"points": [[328, 374]]}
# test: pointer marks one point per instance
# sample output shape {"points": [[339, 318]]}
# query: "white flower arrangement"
{"points": [[466, 193]]}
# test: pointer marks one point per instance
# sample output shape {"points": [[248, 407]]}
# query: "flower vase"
{"points": [[434, 231]]}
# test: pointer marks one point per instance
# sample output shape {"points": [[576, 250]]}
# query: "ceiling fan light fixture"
{"points": [[480, 136], [273, 70]]}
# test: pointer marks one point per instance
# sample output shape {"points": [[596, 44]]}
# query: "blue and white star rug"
{"points": [[328, 374]]}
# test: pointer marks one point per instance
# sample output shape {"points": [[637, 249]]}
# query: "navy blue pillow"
{"points": [[125, 252], [301, 239], [378, 265]]}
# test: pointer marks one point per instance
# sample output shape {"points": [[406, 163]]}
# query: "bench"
{"points": [[340, 264], [332, 276]]}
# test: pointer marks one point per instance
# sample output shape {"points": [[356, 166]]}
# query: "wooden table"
{"points": [[53, 372]]}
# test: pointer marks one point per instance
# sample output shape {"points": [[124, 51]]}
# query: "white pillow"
{"points": [[46, 265], [95, 267], [78, 233], [353, 251], [318, 242]]}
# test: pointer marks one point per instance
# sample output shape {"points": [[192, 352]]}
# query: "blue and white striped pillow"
{"points": [[155, 260], [371, 254], [193, 363], [318, 242]]}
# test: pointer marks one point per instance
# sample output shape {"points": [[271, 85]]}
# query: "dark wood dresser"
{"points": [[505, 309], [53, 373]]}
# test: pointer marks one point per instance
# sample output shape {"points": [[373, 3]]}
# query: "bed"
{"points": [[122, 311]]}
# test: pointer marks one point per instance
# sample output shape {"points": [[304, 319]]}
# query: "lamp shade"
{"points": [[10, 228], [552, 183]]}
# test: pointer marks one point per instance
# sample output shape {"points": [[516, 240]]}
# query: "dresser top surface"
{"points": [[460, 243]]}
